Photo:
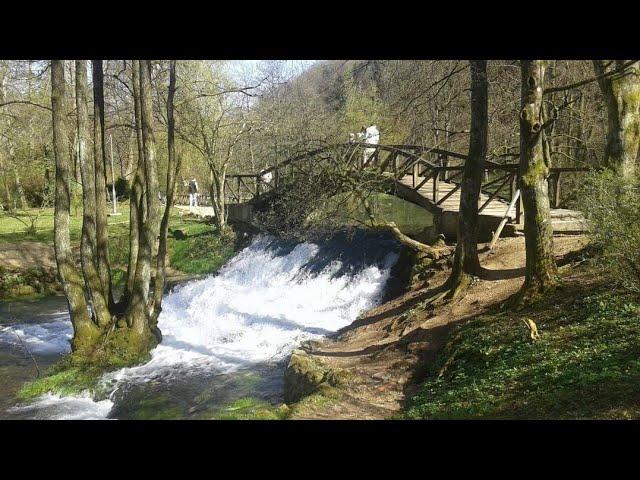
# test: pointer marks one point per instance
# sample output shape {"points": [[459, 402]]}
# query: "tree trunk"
{"points": [[140, 310], [137, 210], [541, 270], [85, 331], [218, 179], [621, 94], [22, 201], [172, 166], [102, 234], [88, 248], [466, 262]]}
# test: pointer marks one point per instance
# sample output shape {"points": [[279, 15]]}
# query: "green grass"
{"points": [[202, 251], [156, 408], [12, 230], [62, 380], [252, 409], [585, 365], [76, 374]]}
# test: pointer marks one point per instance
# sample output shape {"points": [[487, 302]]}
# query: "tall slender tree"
{"points": [[172, 170], [130, 325], [102, 234], [466, 262], [85, 331], [541, 271], [621, 92], [139, 312], [137, 211], [88, 244]]}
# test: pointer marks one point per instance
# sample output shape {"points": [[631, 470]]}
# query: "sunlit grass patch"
{"points": [[586, 364]]}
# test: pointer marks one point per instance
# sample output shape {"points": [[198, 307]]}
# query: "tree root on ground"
{"points": [[434, 252]]}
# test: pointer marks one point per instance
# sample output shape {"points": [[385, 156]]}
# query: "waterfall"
{"points": [[262, 304]]}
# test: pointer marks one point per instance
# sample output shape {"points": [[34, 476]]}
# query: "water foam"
{"points": [[260, 306], [55, 407], [257, 309], [43, 338]]}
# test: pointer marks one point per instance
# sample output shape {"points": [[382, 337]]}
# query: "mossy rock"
{"points": [[27, 283], [338, 377], [305, 375], [23, 290]]}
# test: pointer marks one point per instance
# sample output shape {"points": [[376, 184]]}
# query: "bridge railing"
{"points": [[422, 164]]}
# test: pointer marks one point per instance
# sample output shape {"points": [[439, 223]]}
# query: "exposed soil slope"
{"points": [[385, 352]]}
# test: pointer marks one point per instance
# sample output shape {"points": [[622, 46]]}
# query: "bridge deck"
{"points": [[497, 207], [562, 220], [408, 166]]}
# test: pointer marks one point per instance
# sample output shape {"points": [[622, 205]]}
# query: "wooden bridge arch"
{"points": [[426, 176]]}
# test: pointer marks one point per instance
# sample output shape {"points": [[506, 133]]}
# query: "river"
{"points": [[225, 337]]}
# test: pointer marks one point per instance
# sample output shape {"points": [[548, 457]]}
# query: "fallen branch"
{"points": [[432, 252], [30, 354]]}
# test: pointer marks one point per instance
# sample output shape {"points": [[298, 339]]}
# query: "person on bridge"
{"points": [[371, 136], [193, 193], [267, 177]]}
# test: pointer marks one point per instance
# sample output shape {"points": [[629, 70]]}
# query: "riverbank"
{"points": [[471, 359], [28, 267], [28, 274], [226, 337]]}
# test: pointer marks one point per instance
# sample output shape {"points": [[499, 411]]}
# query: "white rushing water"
{"points": [[259, 307], [49, 336]]}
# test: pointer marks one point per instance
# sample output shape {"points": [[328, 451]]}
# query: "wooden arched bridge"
{"points": [[428, 177]]}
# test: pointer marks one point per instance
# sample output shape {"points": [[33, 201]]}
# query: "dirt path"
{"points": [[24, 255], [387, 350], [200, 212]]}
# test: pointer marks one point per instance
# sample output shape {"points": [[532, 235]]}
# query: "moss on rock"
{"points": [[306, 375], [30, 282]]}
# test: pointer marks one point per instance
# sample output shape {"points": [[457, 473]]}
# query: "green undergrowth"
{"points": [[249, 408], [75, 374], [200, 249], [252, 409], [29, 283], [325, 396], [585, 365], [13, 228]]}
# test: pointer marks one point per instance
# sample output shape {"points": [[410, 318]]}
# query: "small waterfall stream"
{"points": [[228, 335]]}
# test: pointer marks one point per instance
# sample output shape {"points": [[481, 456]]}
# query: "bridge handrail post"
{"points": [[515, 182], [556, 190], [436, 184]]}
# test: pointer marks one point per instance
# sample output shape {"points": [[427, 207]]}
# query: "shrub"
{"points": [[612, 206]]}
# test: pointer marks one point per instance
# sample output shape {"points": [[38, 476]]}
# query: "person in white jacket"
{"points": [[371, 136], [193, 193]]}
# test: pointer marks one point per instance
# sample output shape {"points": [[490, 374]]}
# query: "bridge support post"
{"points": [[556, 190], [514, 189], [444, 162]]}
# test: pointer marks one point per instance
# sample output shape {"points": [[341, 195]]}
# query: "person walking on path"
{"points": [[193, 193]]}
